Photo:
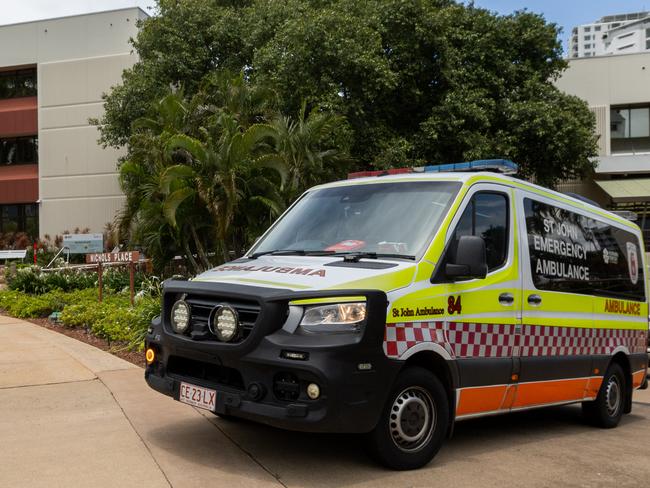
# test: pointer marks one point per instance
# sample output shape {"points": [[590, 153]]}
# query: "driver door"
{"points": [[484, 315]]}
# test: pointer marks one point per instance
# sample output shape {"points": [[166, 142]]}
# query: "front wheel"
{"points": [[607, 409], [414, 421]]}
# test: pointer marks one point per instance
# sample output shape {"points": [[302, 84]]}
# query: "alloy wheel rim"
{"points": [[412, 419]]}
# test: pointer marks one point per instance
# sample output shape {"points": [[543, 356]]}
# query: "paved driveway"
{"points": [[72, 415]]}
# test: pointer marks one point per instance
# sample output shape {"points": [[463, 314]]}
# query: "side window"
{"points": [[575, 253], [486, 216]]}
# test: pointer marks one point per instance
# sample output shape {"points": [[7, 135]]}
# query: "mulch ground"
{"points": [[117, 349]]}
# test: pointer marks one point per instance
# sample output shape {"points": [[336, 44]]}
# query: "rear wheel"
{"points": [[607, 409], [414, 421]]}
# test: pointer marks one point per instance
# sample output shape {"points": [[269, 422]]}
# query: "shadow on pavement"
{"points": [[340, 459]]}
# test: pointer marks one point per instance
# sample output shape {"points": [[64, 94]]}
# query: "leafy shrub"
{"points": [[114, 319], [23, 305], [33, 280]]}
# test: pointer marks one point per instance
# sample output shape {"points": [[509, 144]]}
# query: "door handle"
{"points": [[506, 299], [534, 300]]}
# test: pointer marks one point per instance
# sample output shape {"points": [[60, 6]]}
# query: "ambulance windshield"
{"points": [[397, 219]]}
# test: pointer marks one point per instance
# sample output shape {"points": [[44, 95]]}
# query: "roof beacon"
{"points": [[503, 166]]}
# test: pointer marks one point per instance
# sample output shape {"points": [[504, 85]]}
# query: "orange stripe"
{"points": [[593, 386], [480, 399], [543, 392], [637, 378]]}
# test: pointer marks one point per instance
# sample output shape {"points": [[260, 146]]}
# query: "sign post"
{"points": [[100, 281], [132, 281], [125, 257]]}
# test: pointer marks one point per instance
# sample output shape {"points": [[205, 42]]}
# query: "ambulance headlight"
{"points": [[334, 317]]}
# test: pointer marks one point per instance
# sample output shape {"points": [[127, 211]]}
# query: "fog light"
{"points": [[313, 391], [150, 355]]}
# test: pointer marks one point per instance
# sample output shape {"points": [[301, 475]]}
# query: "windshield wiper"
{"points": [[354, 257], [290, 252]]}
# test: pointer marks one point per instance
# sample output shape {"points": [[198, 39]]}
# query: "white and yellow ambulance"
{"points": [[396, 305]]}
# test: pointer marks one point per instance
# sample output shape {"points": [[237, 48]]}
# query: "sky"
{"points": [[14, 11], [565, 13]]}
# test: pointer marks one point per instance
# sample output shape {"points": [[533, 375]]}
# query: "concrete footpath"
{"points": [[72, 415]]}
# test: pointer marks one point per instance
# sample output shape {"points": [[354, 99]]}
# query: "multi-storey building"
{"points": [[613, 34], [617, 89], [53, 174]]}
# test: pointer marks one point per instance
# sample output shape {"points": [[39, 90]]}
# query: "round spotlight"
{"points": [[224, 323], [313, 391], [180, 317], [150, 355]]}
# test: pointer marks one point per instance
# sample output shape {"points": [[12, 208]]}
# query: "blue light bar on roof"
{"points": [[503, 166]]}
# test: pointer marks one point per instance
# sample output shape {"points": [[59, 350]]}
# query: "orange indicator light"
{"points": [[150, 355]]}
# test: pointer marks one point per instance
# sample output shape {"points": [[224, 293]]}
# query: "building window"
{"points": [[647, 44], [19, 150], [647, 32], [18, 83], [19, 218], [587, 38], [587, 28], [587, 46], [630, 129], [626, 35], [597, 28], [625, 47]]}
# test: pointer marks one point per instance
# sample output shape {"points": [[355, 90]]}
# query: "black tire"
{"points": [[403, 443], [607, 409]]}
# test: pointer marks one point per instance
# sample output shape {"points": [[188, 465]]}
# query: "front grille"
{"points": [[213, 373], [202, 306]]}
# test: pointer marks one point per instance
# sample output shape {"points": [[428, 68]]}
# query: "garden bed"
{"points": [[67, 302]]}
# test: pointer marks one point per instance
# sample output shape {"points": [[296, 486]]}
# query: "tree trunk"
{"points": [[199, 248], [190, 258]]}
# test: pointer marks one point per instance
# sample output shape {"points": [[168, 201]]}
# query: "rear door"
{"points": [[557, 305]]}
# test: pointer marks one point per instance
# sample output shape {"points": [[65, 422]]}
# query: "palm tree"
{"points": [[210, 172], [149, 190], [230, 167], [307, 146]]}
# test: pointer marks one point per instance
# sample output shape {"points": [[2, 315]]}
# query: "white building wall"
{"points": [[608, 81], [78, 59], [630, 38]]}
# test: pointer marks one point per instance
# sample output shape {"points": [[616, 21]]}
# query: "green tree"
{"points": [[418, 81], [227, 169], [303, 144], [152, 211]]}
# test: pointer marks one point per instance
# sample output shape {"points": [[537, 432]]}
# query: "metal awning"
{"points": [[628, 190]]}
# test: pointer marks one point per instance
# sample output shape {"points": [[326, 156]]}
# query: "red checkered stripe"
{"points": [[468, 339], [460, 339], [544, 340]]}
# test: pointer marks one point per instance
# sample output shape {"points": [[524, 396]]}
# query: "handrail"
{"points": [[57, 255]]}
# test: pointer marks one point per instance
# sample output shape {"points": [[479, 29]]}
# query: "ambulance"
{"points": [[396, 305]]}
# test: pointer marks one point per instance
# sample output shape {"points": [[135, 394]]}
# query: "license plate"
{"points": [[198, 396]]}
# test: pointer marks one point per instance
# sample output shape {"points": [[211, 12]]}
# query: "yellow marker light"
{"points": [[150, 355], [313, 391]]}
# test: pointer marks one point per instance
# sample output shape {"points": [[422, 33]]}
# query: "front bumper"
{"points": [[351, 398]]}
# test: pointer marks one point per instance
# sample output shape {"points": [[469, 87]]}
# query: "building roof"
{"points": [[98, 12]]}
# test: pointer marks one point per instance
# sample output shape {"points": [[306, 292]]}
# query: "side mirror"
{"points": [[471, 259]]}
